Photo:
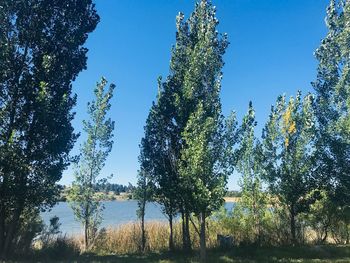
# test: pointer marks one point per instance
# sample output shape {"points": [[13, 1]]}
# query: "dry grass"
{"points": [[232, 199], [122, 244], [126, 238]]}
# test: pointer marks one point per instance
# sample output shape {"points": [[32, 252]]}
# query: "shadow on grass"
{"points": [[247, 254], [326, 253], [177, 256], [305, 254]]}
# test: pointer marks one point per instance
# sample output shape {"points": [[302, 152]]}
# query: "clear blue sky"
{"points": [[271, 53]]}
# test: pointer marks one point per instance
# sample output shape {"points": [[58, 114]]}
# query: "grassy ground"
{"points": [[282, 254]]}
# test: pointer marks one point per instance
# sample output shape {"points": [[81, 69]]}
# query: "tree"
{"points": [[253, 199], [288, 149], [157, 161], [321, 214], [195, 73], [41, 53], [333, 104], [143, 195], [94, 153], [201, 165], [203, 168]]}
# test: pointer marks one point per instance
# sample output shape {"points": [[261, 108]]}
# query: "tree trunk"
{"points": [[183, 230], [2, 229], [143, 232], [11, 231], [3, 211], [202, 238], [325, 235], [187, 236], [292, 225], [86, 234], [171, 238]]}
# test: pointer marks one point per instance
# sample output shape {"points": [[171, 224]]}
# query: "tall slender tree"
{"points": [[157, 161], [248, 155], [41, 53], [200, 166], [143, 194], [333, 103], [94, 152], [203, 168], [194, 80], [288, 149]]}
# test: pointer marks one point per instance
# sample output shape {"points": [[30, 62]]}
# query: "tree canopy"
{"points": [[41, 52]]}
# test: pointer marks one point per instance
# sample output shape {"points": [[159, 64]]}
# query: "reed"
{"points": [[124, 242], [126, 238]]}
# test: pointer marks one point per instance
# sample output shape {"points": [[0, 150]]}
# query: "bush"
{"points": [[51, 244], [327, 222], [59, 248], [31, 227]]}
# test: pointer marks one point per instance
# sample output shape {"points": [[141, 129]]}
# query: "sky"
{"points": [[270, 53]]}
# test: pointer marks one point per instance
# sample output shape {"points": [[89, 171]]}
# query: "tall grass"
{"points": [[126, 238]]}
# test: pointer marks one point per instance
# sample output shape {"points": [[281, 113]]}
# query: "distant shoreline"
{"points": [[232, 199], [125, 198]]}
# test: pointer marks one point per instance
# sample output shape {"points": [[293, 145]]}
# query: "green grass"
{"points": [[305, 254]]}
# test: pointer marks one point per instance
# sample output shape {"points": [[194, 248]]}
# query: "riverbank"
{"points": [[232, 199], [102, 196], [111, 196]]}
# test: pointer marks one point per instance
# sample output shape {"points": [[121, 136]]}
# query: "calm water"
{"points": [[115, 213]]}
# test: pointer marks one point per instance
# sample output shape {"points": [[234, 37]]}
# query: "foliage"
{"points": [[116, 188], [51, 244], [59, 248], [49, 232], [41, 53], [288, 154], [233, 193], [158, 175], [239, 224], [251, 208], [340, 228], [95, 150], [333, 104], [31, 227], [202, 170], [187, 102]]}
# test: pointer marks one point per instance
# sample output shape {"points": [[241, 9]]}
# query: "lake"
{"points": [[115, 213]]}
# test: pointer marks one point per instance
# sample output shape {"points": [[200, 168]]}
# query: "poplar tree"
{"points": [[41, 52], [157, 161], [202, 161], [203, 167], [99, 128], [333, 103], [288, 147], [253, 200], [143, 194], [190, 91]]}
